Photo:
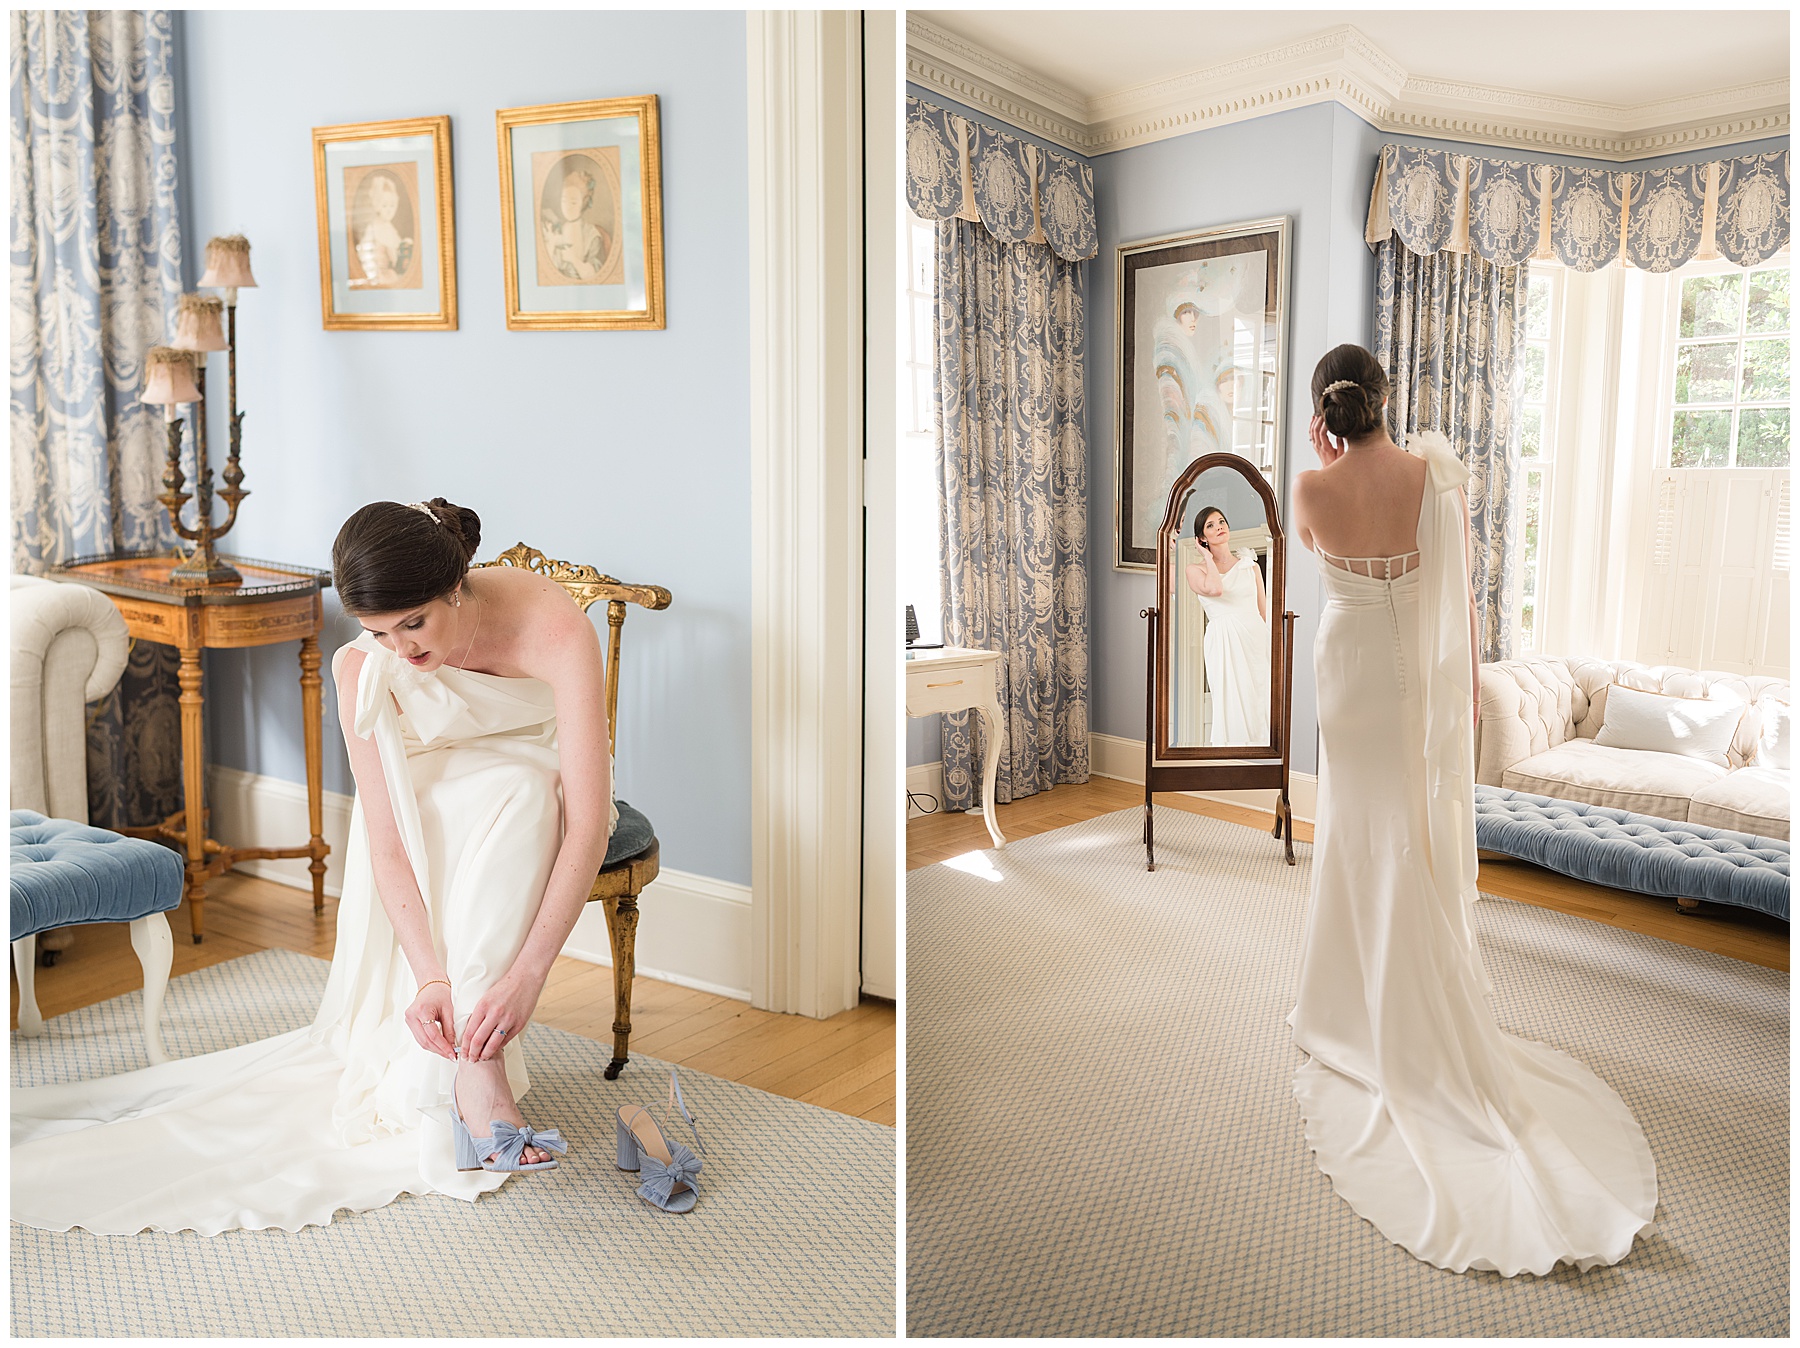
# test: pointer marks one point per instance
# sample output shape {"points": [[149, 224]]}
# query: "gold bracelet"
{"points": [[423, 986]]}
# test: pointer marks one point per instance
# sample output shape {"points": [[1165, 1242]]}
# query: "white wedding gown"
{"points": [[1469, 1147], [1236, 647], [349, 1112]]}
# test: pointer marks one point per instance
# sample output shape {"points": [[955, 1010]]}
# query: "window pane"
{"points": [[1531, 432], [1534, 501], [923, 324], [1709, 306], [1536, 357], [1706, 374], [1700, 440], [1765, 371], [1527, 616], [1768, 307], [924, 417], [1537, 307], [1763, 438]]}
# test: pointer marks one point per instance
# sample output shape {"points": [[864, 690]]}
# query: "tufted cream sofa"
{"points": [[1538, 721]]}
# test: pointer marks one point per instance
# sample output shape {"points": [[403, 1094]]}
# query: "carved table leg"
{"points": [[193, 785], [991, 716], [312, 712], [621, 926]]}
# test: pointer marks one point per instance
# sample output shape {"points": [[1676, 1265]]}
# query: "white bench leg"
{"points": [[31, 1023], [155, 949]]}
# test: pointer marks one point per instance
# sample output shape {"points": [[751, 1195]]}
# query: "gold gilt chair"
{"points": [[631, 857]]}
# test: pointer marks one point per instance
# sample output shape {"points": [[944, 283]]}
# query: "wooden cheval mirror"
{"points": [[1218, 706]]}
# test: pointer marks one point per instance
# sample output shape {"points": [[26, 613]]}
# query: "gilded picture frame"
{"points": [[581, 215], [386, 205], [1201, 334]]}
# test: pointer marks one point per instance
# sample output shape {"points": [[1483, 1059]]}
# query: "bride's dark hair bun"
{"points": [[1349, 388], [390, 557]]}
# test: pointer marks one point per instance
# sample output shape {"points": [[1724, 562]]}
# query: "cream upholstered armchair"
{"points": [[68, 648]]}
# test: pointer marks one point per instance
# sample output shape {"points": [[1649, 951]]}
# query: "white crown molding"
{"points": [[1338, 65]]}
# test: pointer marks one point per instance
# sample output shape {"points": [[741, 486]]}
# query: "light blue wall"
{"points": [[627, 450], [1302, 164]]}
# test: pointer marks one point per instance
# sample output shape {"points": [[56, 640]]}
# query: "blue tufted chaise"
{"points": [[1637, 852], [65, 874]]}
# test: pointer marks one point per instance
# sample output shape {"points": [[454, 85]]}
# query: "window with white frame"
{"points": [[920, 563], [1537, 448], [1730, 405]]}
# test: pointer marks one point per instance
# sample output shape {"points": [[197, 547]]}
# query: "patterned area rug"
{"points": [[794, 1233], [1102, 1137]]}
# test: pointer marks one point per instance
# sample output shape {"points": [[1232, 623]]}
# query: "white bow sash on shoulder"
{"points": [[1444, 647]]}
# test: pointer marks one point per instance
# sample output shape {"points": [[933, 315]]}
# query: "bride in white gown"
{"points": [[1466, 1145], [473, 709], [1236, 643]]}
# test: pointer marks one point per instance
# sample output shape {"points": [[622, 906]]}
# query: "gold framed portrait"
{"points": [[581, 214], [387, 225]]}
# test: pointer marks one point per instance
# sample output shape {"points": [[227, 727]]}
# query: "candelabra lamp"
{"points": [[176, 374]]}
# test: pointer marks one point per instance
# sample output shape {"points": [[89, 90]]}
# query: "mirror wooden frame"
{"points": [[1192, 767]]}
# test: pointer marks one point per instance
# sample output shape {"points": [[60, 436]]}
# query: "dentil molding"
{"points": [[1339, 65]]}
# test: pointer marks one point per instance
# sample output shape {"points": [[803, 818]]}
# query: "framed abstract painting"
{"points": [[581, 214], [387, 224], [1201, 322]]}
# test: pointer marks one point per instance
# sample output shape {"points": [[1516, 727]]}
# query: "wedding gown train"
{"points": [[348, 1112], [1466, 1145]]}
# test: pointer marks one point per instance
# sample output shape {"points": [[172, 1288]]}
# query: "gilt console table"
{"points": [[276, 602]]}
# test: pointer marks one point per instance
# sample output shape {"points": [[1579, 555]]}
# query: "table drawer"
{"points": [[936, 690]]}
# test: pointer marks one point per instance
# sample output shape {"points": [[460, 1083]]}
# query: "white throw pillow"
{"points": [[1692, 727], [1775, 747]]}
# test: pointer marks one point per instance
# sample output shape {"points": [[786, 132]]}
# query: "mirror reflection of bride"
{"points": [[1230, 589]]}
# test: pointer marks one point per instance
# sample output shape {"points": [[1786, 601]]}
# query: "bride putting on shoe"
{"points": [[1466, 1145], [474, 711]]}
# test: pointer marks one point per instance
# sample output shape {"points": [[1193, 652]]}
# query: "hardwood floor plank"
{"points": [[245, 914]]}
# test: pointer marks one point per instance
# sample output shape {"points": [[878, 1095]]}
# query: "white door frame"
{"points": [[804, 114]]}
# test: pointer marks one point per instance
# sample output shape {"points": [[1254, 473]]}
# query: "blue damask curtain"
{"points": [[96, 272], [1450, 332], [1012, 474]]}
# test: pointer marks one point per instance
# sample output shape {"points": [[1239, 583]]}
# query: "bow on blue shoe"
{"points": [[660, 1180], [510, 1143]]}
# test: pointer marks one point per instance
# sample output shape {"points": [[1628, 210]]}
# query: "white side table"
{"points": [[956, 679]]}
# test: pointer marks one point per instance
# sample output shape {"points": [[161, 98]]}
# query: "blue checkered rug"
{"points": [[794, 1233], [1102, 1137]]}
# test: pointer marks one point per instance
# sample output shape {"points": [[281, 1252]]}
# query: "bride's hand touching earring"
{"points": [[1328, 452]]}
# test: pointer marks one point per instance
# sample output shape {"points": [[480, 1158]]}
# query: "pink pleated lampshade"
{"points": [[200, 323], [169, 377], [228, 263]]}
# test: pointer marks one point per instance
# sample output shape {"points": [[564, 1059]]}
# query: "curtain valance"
{"points": [[1507, 211], [1022, 193]]}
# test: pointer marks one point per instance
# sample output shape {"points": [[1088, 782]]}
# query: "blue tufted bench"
{"points": [[1637, 852], [65, 874]]}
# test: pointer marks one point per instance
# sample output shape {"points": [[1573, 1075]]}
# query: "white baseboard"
{"points": [[1123, 760], [693, 931], [250, 810], [925, 779]]}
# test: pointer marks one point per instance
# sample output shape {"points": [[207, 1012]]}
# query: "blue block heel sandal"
{"points": [[669, 1169], [503, 1147]]}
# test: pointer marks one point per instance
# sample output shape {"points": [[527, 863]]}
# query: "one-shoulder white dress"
{"points": [[348, 1113], [1466, 1145]]}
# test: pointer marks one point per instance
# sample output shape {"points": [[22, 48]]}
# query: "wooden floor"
{"points": [[846, 1063], [1735, 932]]}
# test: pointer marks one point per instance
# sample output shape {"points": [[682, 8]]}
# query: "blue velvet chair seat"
{"points": [[631, 835], [1636, 852], [65, 874]]}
